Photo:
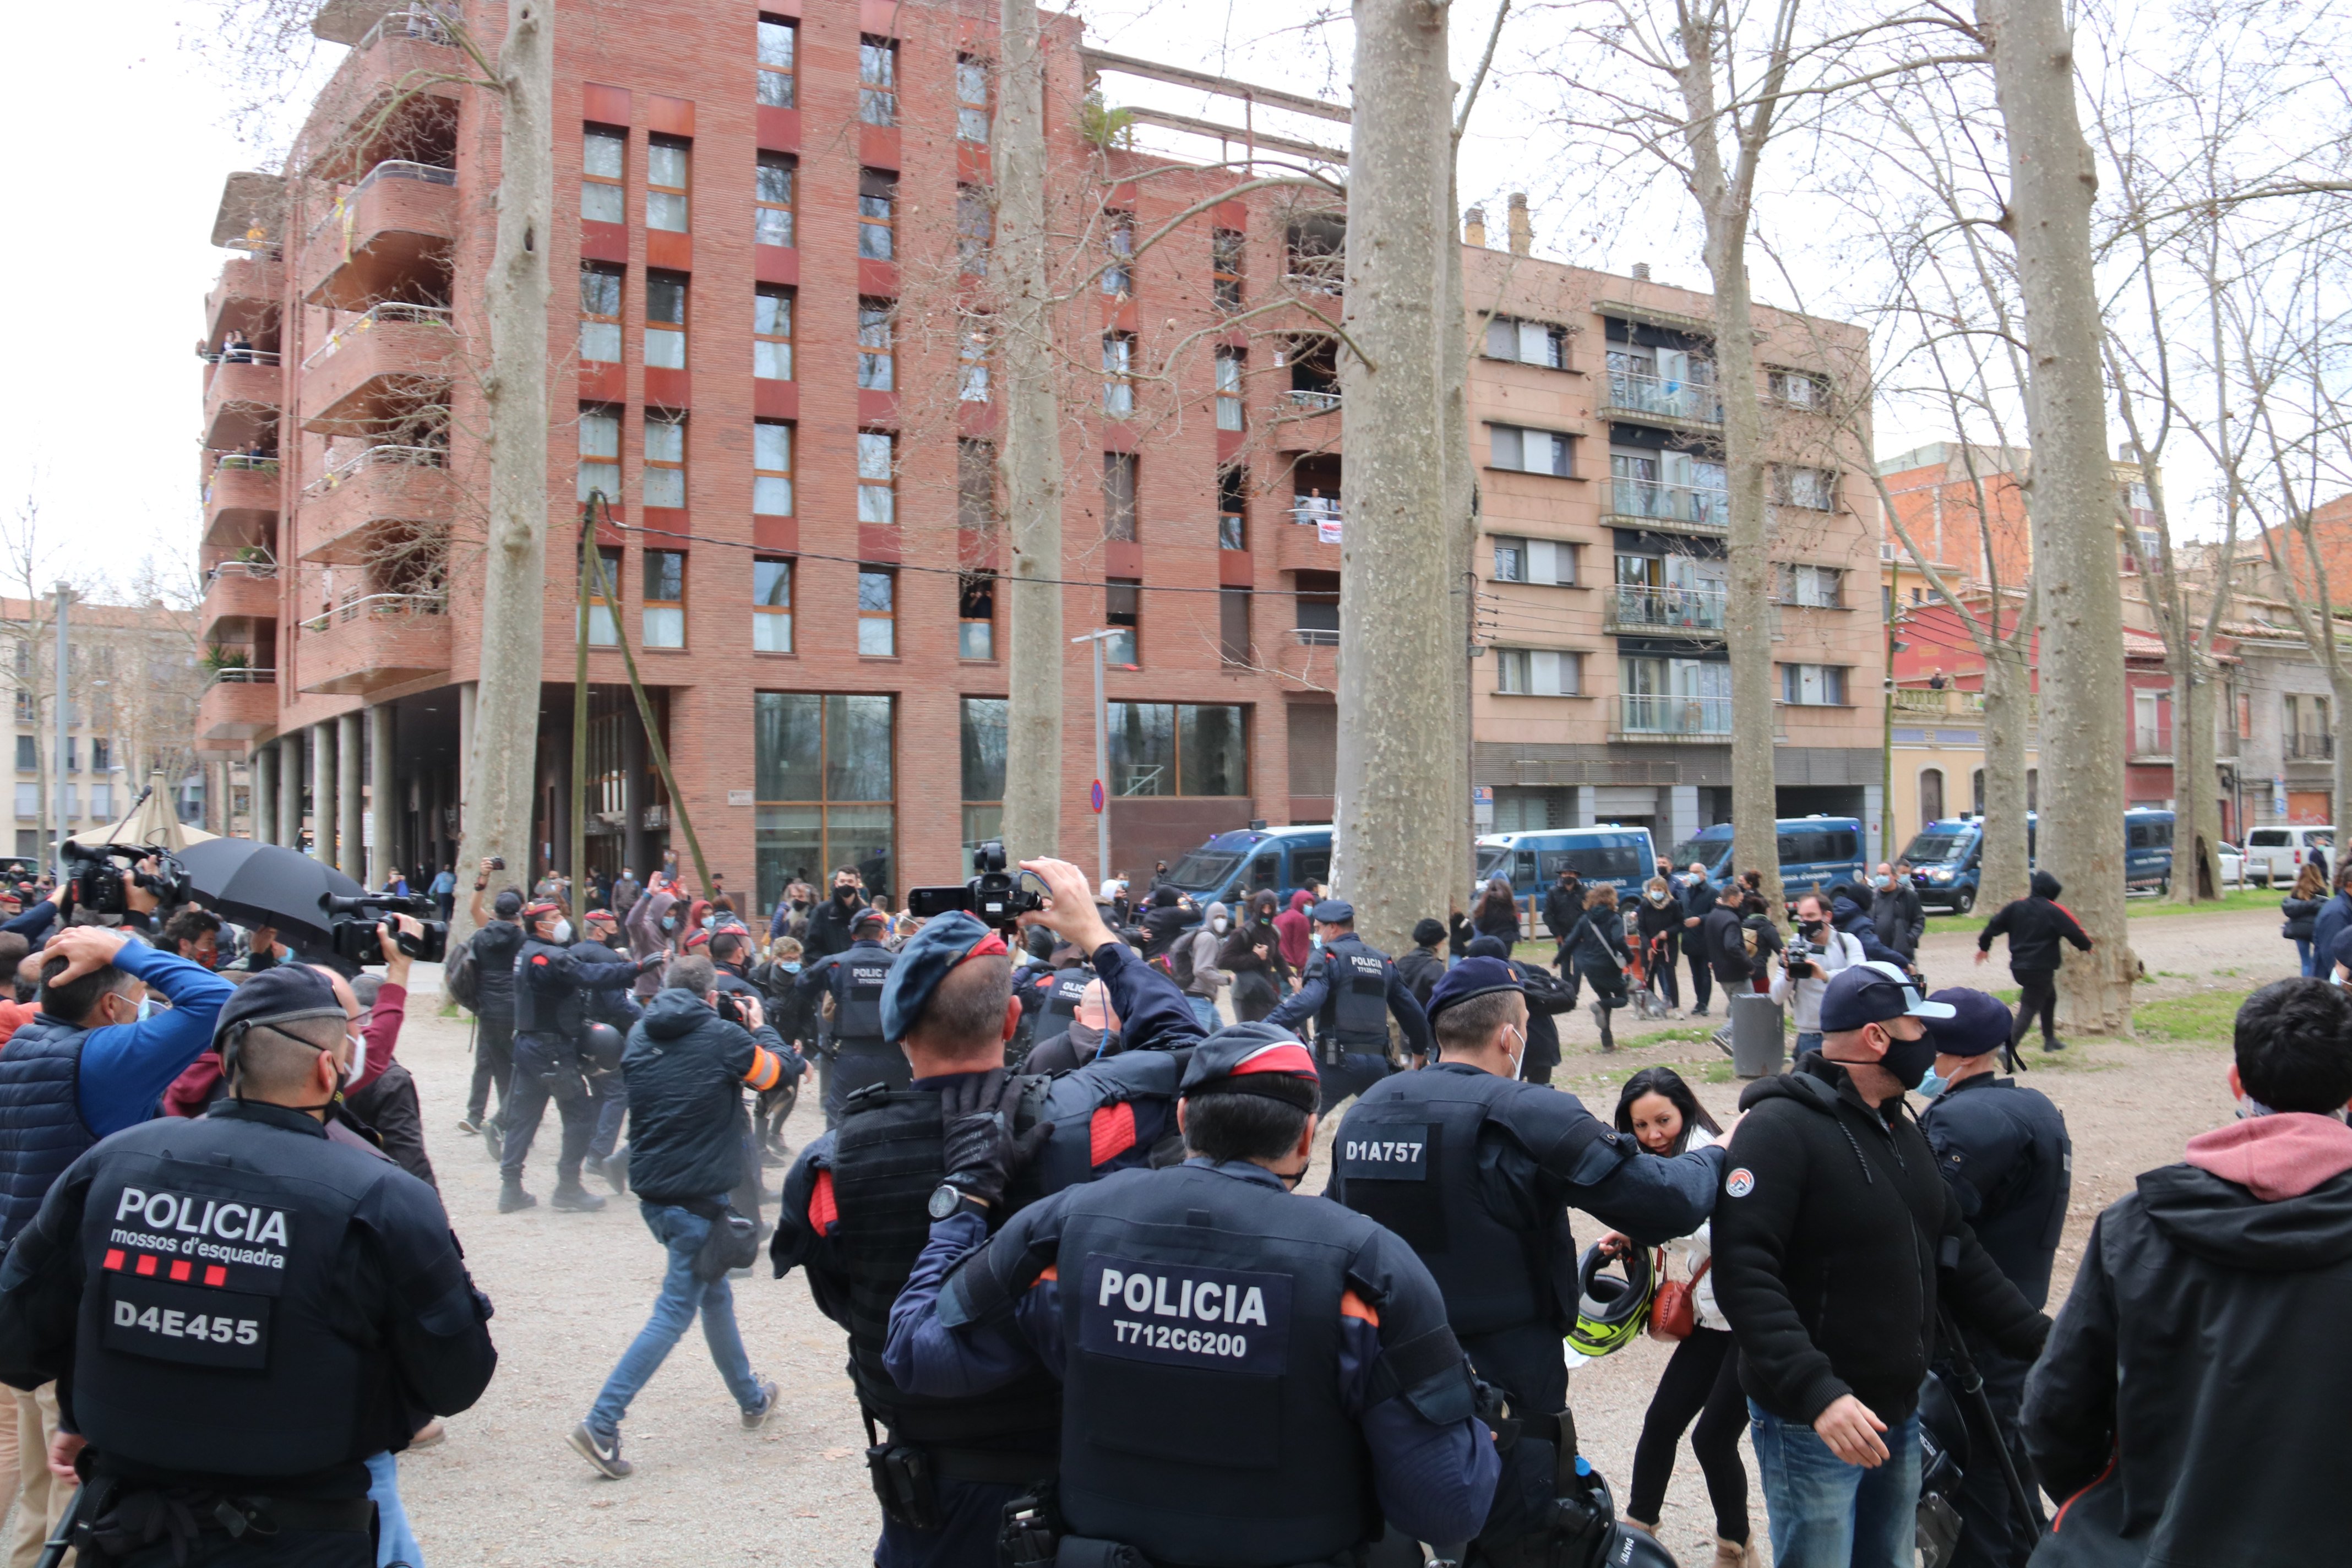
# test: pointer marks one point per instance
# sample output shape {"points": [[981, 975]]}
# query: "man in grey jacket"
{"points": [[1895, 909], [1208, 982]]}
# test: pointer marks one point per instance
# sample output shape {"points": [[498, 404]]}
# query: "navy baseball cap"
{"points": [[1334, 911], [1471, 977], [1872, 994], [925, 961], [1979, 1023], [1254, 1058]]}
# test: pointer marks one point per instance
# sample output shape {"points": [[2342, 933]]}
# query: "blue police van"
{"points": [[1815, 852], [1948, 856], [1621, 857], [1232, 866]]}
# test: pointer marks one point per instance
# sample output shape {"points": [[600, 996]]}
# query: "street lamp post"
{"points": [[1100, 799]]}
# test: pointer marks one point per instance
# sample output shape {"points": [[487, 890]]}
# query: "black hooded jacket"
{"points": [[686, 1067], [1827, 1241], [2035, 927]]}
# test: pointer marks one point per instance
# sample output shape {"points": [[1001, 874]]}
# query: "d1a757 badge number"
{"points": [[1184, 1315], [1384, 1151]]}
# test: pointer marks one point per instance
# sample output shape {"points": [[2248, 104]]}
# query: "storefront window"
{"points": [[826, 788]]}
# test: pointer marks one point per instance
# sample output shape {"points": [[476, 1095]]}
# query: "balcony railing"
{"points": [[246, 462], [1317, 637], [1694, 401], [419, 22], [375, 457], [390, 311], [242, 675], [390, 169], [1308, 403], [240, 355], [1644, 715], [1309, 511], [1667, 609], [259, 571], [2307, 748], [378, 606], [1312, 275], [1687, 504]]}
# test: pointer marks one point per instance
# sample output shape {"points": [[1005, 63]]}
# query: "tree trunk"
{"points": [[1030, 457], [2197, 814], [2007, 707], [1461, 513], [2072, 500], [2339, 682], [1400, 654], [514, 577]]}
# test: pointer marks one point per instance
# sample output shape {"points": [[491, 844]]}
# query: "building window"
{"points": [[1538, 672], [1931, 796], [877, 81], [771, 468], [28, 803], [772, 606], [101, 751], [971, 363], [1226, 247], [984, 773], [975, 230], [1528, 343], [600, 453], [604, 604], [665, 608], [971, 99], [1233, 508], [665, 190], [1799, 389], [1813, 685], [1510, 560], [1234, 624], [1527, 451], [878, 204], [877, 612], [1229, 389], [665, 476], [600, 313], [665, 321], [1118, 274], [1123, 612], [1813, 587], [1177, 748], [603, 160], [877, 459], [976, 486], [778, 45], [1812, 487], [771, 333], [771, 217], [28, 755], [823, 779], [1119, 496], [1315, 609], [1118, 371], [976, 610], [876, 373]]}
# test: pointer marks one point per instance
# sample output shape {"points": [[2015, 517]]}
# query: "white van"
{"points": [[2277, 854]]}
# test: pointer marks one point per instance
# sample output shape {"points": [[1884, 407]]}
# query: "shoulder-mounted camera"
{"points": [[996, 897]]}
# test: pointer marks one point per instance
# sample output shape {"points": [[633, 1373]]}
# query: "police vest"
{"points": [[1202, 1417], [1356, 1006], [859, 977], [1063, 991], [2011, 1144], [543, 1003], [41, 1129], [887, 1162], [216, 1333], [1407, 1155]]}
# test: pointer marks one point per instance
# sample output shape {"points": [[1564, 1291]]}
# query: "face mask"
{"points": [[791, 966], [669, 922], [1909, 1060], [1658, 898], [1520, 1058], [146, 1008], [1219, 923], [1885, 881], [1316, 941], [562, 932], [1933, 1084], [846, 894], [710, 922]]}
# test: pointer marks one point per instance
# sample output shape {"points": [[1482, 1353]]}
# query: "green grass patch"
{"points": [[2137, 907], [2200, 1016]]}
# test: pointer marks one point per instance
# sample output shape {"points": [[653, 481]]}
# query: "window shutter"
{"points": [[1502, 338], [1546, 673], [1507, 446], [1535, 344]]}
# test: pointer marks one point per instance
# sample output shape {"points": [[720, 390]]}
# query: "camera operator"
{"points": [[1818, 951], [551, 1020], [686, 1066], [384, 1093], [494, 948], [855, 1053], [612, 1004]]}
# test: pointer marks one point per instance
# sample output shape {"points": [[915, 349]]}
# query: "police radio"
{"points": [[995, 895], [354, 932]]}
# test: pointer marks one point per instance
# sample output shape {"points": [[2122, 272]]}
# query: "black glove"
{"points": [[976, 1112]]}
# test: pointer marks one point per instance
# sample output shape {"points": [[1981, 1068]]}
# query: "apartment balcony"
{"points": [[240, 501], [1665, 718], [377, 366], [2151, 746], [242, 398], [387, 236], [1311, 543], [1651, 400], [368, 644], [245, 299], [1663, 612], [2306, 748], [236, 595], [1666, 509], [1306, 402], [237, 706], [399, 54], [381, 493]]}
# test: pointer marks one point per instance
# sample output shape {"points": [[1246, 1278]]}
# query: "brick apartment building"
{"points": [[777, 365]]}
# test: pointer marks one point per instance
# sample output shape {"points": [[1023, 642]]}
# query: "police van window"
{"points": [[1265, 870], [2136, 835], [1309, 866], [1842, 846], [1523, 868], [2162, 835]]}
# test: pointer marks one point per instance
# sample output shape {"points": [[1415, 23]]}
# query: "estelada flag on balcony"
{"points": [[1327, 529]]}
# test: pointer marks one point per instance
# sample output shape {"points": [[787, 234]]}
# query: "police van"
{"points": [[1232, 866], [1621, 857], [1815, 852], [1948, 856]]}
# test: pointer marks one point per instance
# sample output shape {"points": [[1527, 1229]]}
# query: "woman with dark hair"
{"points": [[1596, 948], [2302, 908], [1253, 953], [1702, 1378], [1498, 914]]}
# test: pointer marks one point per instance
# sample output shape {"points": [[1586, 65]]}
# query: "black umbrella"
{"points": [[267, 885]]}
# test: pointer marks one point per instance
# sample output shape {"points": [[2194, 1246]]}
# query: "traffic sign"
{"points": [[1095, 796]]}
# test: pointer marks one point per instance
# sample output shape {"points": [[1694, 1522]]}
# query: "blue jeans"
{"points": [[682, 1295], [1204, 1008], [1826, 1513], [1808, 1040], [396, 1542], [2303, 952]]}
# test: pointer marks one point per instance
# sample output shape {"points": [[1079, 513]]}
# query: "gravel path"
{"points": [[572, 1291]]}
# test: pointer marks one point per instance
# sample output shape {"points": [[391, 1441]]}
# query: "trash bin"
{"points": [[1756, 1043]]}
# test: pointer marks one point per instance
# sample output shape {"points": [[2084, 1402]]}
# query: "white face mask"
{"points": [[1219, 923], [562, 932], [1519, 1060]]}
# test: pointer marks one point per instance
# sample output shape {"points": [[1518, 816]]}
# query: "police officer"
{"points": [[242, 1311], [551, 975], [1351, 991], [1050, 998], [1247, 1378], [1475, 1168], [2004, 1152], [855, 1053], [607, 999]]}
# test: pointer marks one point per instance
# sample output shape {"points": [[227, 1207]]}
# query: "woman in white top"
{"points": [[1701, 1379]]}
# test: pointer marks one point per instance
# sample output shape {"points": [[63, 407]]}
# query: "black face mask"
{"points": [[846, 894], [1909, 1060]]}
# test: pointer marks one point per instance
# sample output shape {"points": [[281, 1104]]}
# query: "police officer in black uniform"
{"points": [[608, 1000], [2004, 1151], [1050, 999], [1475, 1168], [239, 1311], [552, 974], [854, 1052], [1248, 1379], [1351, 991]]}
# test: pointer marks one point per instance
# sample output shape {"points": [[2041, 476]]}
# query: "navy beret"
{"points": [[1334, 911], [1471, 977], [284, 994], [1254, 1058], [925, 961], [1979, 1023]]}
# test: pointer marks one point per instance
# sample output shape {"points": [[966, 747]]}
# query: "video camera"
{"points": [[102, 888], [354, 929], [1797, 954], [995, 895]]}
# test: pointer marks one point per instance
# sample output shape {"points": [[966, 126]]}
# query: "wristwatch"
{"points": [[947, 1200]]}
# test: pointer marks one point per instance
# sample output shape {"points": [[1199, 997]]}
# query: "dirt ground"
{"points": [[572, 1290]]}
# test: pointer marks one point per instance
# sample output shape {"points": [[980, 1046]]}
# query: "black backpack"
{"points": [[1180, 958], [461, 978]]}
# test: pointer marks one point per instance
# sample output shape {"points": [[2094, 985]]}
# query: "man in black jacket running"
{"points": [[1833, 1242], [2035, 927]]}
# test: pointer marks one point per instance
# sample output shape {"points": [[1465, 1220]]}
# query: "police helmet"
{"points": [[604, 1045], [1610, 1310]]}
